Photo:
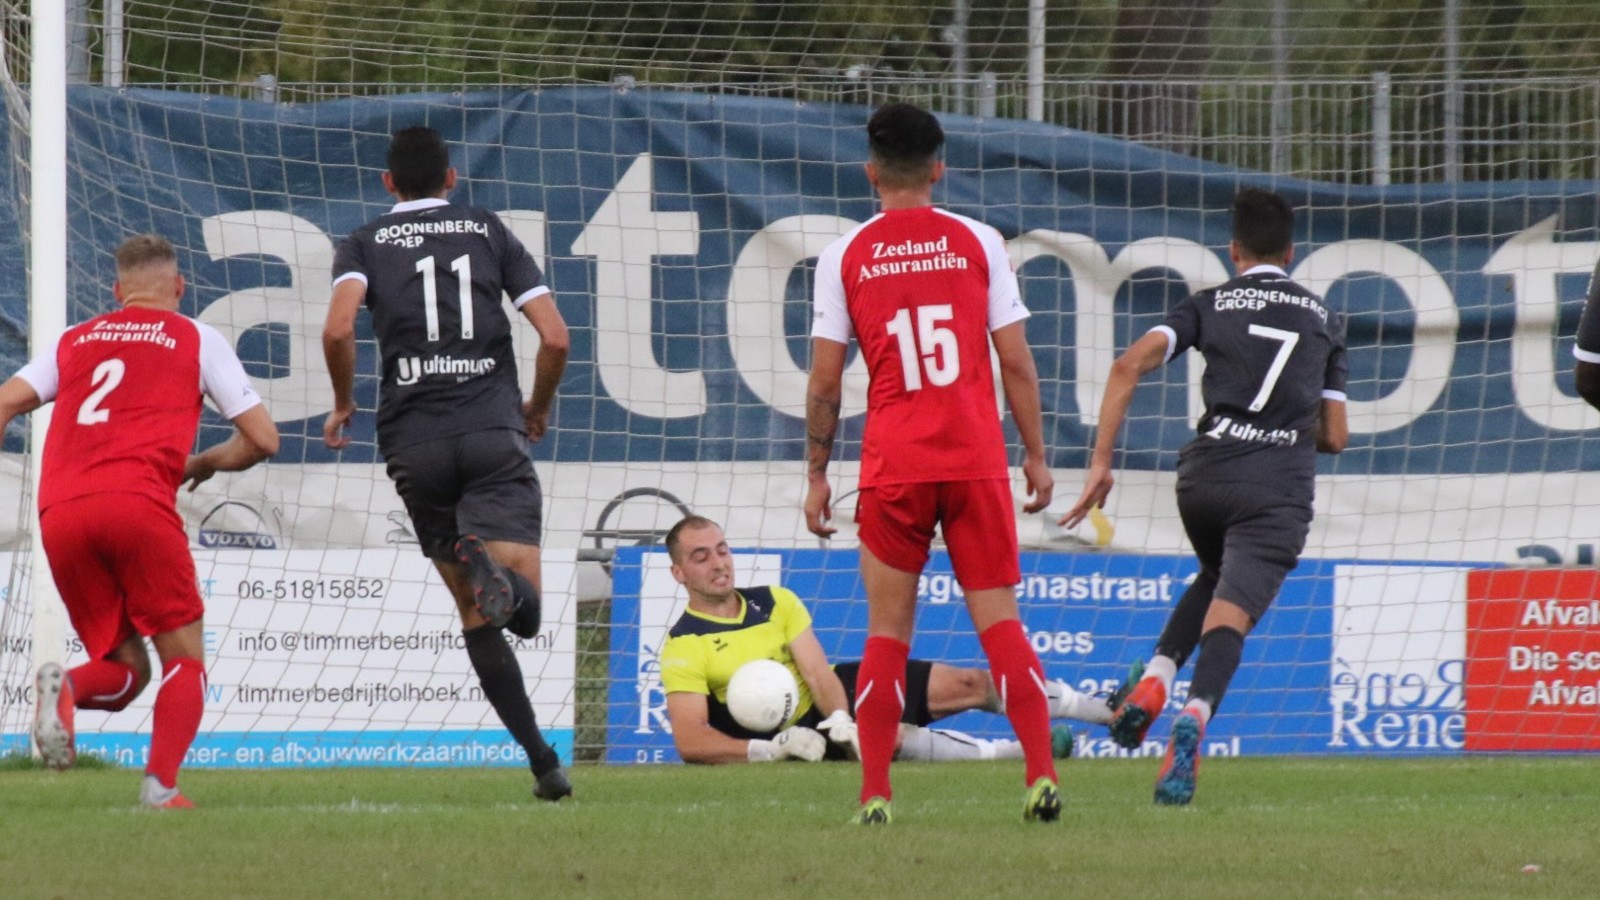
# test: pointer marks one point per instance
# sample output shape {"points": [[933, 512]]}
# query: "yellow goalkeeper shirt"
{"points": [[702, 652]]}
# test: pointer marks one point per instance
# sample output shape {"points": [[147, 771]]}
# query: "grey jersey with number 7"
{"points": [[1273, 352], [436, 274]]}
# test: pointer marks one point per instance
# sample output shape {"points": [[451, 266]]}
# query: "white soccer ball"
{"points": [[763, 694]]}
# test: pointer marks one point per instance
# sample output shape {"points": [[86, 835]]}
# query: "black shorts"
{"points": [[1250, 538], [480, 483], [916, 712]]}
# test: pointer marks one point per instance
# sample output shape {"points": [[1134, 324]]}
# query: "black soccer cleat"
{"points": [[491, 589], [553, 785]]}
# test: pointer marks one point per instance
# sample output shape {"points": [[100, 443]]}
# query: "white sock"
{"points": [[1200, 708], [1066, 702], [1164, 668], [941, 745]]}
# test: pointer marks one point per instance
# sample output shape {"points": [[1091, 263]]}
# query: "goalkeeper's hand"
{"points": [[794, 742], [841, 729]]}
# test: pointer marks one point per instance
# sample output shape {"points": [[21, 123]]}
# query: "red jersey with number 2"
{"points": [[128, 388], [921, 290]]}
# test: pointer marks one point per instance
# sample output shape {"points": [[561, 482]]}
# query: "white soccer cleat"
{"points": [[53, 717], [152, 795]]}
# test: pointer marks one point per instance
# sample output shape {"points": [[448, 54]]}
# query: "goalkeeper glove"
{"points": [[841, 729], [795, 742]]}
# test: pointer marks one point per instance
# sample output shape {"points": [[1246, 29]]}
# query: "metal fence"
{"points": [[1379, 130]]}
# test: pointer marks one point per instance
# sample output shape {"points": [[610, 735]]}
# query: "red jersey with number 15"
{"points": [[128, 387], [921, 290]]}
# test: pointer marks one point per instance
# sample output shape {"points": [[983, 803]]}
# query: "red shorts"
{"points": [[978, 518], [122, 565]]}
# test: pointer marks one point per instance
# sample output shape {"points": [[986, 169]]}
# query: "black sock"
{"points": [[501, 677], [1182, 633], [524, 621], [1219, 659]]}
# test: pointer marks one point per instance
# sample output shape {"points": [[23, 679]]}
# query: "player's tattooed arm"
{"points": [[823, 394]]}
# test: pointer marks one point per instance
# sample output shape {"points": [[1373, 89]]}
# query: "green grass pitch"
{"points": [[1260, 827]]}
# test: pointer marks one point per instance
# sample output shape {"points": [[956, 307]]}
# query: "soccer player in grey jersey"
{"points": [[452, 425], [1274, 395]]}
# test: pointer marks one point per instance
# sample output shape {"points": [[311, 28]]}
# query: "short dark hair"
{"points": [[676, 531], [1263, 224], [418, 162], [903, 141], [144, 249]]}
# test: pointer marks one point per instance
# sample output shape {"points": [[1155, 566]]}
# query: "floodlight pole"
{"points": [[1036, 60]]}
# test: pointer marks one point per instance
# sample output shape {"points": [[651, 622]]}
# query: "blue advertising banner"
{"points": [[1304, 686], [678, 230]]}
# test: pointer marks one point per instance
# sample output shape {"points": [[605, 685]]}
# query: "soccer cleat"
{"points": [[1043, 803], [1138, 711], [53, 717], [874, 812], [491, 589], [553, 785], [1062, 741], [1135, 674], [152, 795], [1175, 784]]}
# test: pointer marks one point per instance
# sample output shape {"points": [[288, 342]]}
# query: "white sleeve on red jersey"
{"points": [[42, 374], [222, 375], [830, 316], [1005, 295]]}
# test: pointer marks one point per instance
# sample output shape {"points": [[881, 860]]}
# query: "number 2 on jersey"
{"points": [[1286, 341], [105, 379], [462, 266], [930, 343]]}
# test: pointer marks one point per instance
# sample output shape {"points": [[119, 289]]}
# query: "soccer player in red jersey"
{"points": [[128, 387], [924, 291]]}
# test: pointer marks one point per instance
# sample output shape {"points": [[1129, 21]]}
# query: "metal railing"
{"points": [[1380, 130]]}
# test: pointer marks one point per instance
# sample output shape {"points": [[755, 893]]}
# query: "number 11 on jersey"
{"points": [[462, 266]]}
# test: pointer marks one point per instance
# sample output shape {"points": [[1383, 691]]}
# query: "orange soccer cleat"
{"points": [[1132, 720]]}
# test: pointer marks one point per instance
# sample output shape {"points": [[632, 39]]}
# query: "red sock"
{"points": [[179, 705], [880, 699], [103, 684], [1020, 680]]}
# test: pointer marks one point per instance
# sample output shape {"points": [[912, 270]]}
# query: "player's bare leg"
{"points": [[954, 690], [501, 677], [1226, 624], [180, 703], [881, 681], [1020, 679]]}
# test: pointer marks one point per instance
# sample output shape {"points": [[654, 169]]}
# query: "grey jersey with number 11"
{"points": [[435, 275], [1273, 353]]}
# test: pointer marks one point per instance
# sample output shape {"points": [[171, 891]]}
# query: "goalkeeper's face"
{"points": [[705, 564]]}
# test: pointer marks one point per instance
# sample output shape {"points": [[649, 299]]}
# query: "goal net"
{"points": [[677, 169]]}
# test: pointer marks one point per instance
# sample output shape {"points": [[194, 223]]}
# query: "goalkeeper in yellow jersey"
{"points": [[724, 628]]}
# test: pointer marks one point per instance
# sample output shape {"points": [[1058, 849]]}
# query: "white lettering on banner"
{"points": [[1399, 640], [625, 235], [1569, 614], [756, 292], [942, 587], [304, 390], [1433, 342], [1096, 280], [1533, 259]]}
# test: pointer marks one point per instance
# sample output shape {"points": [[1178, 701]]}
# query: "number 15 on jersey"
{"points": [[930, 347]]}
